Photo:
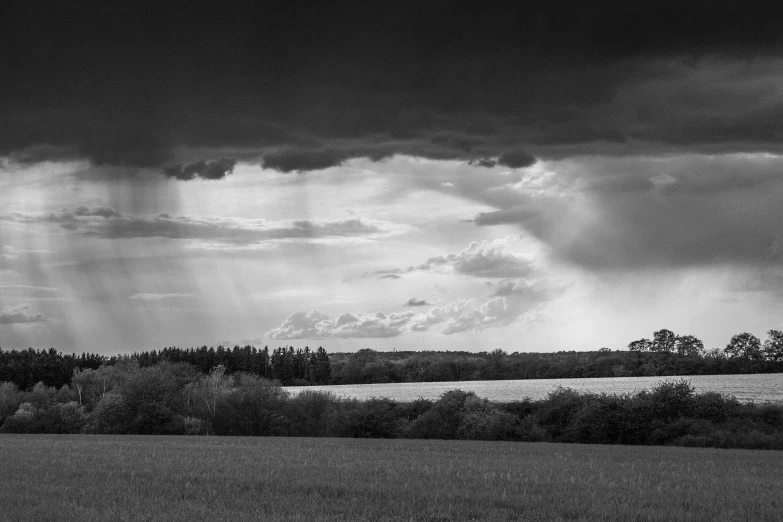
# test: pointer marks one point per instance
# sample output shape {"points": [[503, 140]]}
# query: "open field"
{"points": [[82, 477], [760, 387]]}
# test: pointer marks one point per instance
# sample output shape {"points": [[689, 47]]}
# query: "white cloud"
{"points": [[300, 325], [316, 324], [450, 318]]}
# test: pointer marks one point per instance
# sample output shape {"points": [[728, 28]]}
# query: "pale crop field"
{"points": [[766, 387], [86, 478]]}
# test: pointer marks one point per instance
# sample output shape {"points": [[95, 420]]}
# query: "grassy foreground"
{"points": [[83, 477]]}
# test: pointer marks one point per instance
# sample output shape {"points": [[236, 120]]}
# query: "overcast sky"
{"points": [[558, 177]]}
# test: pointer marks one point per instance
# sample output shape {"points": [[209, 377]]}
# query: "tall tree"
{"points": [[663, 341], [773, 346], [322, 369], [642, 345], [745, 346], [211, 388], [688, 345]]}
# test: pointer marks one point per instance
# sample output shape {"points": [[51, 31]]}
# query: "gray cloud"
{"points": [[416, 302], [107, 223], [390, 276], [21, 315], [159, 297], [671, 210], [485, 259]]}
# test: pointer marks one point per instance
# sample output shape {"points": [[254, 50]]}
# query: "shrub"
{"points": [[713, 406], [372, 418], [603, 419], [71, 417], [111, 415], [255, 407], [531, 431], [443, 420], [194, 426], [10, 399], [307, 413], [671, 399], [22, 420], [557, 411]]}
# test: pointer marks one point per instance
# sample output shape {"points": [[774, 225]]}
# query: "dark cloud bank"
{"points": [[191, 90]]}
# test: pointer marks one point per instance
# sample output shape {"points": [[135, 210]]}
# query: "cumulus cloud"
{"points": [[316, 324], [510, 287], [480, 259], [451, 318], [302, 324], [215, 169], [513, 303], [107, 223], [21, 315], [485, 259], [464, 316]]}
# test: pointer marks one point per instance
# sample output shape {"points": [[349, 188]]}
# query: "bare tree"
{"points": [[212, 387]]}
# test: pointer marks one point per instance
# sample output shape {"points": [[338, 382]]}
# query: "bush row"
{"points": [[178, 399]]}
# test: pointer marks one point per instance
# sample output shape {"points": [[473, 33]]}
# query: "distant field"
{"points": [[766, 387], [85, 478]]}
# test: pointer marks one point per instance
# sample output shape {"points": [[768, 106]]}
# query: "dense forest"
{"points": [[177, 398], [291, 366]]}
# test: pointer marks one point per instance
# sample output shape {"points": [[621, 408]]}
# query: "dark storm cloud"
{"points": [[300, 88], [301, 160], [216, 169], [516, 159]]}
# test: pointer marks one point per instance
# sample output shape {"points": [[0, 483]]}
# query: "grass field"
{"points": [[85, 478]]}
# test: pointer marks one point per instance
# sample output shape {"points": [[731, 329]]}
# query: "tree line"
{"points": [[289, 365], [665, 354], [177, 398], [744, 346]]}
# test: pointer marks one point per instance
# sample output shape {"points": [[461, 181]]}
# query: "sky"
{"points": [[413, 176]]}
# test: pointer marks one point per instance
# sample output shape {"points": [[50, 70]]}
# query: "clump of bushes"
{"points": [[177, 399]]}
